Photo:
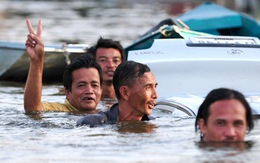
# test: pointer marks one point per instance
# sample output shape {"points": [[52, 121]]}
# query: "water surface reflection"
{"points": [[136, 127], [54, 137]]}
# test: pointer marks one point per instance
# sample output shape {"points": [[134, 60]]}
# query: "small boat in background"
{"points": [[15, 61], [205, 48], [205, 20], [217, 20]]}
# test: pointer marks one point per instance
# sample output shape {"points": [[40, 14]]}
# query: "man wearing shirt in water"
{"points": [[82, 80], [224, 116], [135, 88]]}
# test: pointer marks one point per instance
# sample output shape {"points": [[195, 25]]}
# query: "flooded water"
{"points": [[54, 137]]}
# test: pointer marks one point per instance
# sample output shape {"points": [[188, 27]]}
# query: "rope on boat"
{"points": [[66, 53], [166, 30], [185, 26]]}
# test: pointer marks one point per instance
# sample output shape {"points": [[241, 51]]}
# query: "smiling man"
{"points": [[224, 116], [135, 88], [82, 80]]}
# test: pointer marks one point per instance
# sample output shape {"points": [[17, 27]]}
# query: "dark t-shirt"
{"points": [[102, 117]]}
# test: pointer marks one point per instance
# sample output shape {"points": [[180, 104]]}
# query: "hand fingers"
{"points": [[29, 25], [31, 38], [34, 40], [28, 43], [39, 29]]}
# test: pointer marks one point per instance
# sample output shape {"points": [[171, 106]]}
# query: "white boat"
{"points": [[188, 69], [15, 61]]}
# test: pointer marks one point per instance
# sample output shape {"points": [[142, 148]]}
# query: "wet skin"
{"points": [[143, 94], [108, 59], [226, 122], [86, 90]]}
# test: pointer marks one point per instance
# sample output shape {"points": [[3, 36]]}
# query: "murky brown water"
{"points": [[53, 137]]}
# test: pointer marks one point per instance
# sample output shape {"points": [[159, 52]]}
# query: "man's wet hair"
{"points": [[126, 74], [83, 61], [107, 43]]}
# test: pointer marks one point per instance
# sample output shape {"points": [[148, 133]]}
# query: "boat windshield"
{"points": [[224, 41]]}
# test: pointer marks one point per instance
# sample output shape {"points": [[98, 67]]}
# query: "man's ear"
{"points": [[202, 126], [67, 93], [124, 91]]}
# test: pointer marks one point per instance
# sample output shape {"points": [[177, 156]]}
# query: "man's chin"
{"points": [[108, 80], [230, 140], [90, 106], [149, 111]]}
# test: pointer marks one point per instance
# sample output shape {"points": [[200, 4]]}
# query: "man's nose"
{"points": [[89, 89], [155, 93], [110, 63], [230, 131]]}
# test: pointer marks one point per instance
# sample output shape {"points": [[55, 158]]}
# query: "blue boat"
{"points": [[207, 48], [206, 19], [217, 20]]}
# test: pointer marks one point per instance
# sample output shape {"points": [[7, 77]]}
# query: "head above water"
{"points": [[223, 99], [84, 61], [127, 73], [135, 88]]}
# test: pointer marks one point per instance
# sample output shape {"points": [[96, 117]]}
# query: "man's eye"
{"points": [[95, 85], [238, 123], [80, 85], [117, 61], [102, 60], [147, 87], [220, 123]]}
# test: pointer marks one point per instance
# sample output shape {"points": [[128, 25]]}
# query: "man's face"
{"points": [[226, 121], [108, 59], [143, 94], [86, 90]]}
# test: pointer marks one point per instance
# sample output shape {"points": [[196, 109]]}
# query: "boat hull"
{"points": [[16, 64], [185, 71]]}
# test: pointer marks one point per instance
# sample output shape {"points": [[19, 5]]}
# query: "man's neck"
{"points": [[126, 113]]}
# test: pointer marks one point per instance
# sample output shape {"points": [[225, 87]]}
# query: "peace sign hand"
{"points": [[34, 44]]}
